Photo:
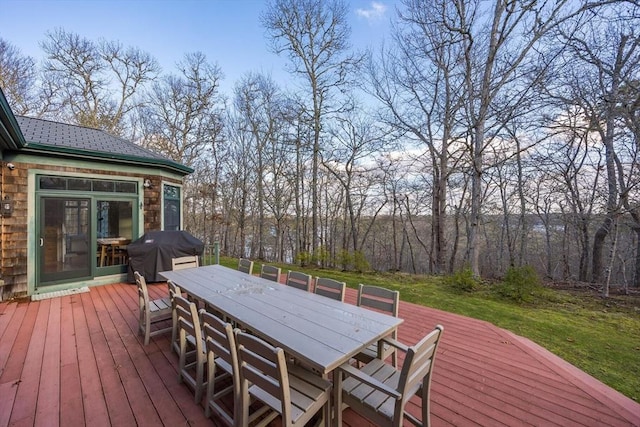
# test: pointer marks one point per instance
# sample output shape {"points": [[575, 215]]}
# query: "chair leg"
{"points": [[199, 379], [182, 354], [426, 407], [337, 398], [147, 327], [211, 373]]}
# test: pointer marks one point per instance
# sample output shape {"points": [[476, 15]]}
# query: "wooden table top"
{"points": [[322, 332]]}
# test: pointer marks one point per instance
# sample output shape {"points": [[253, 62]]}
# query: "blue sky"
{"points": [[227, 31]]}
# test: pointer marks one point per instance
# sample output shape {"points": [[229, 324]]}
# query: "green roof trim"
{"points": [[10, 134], [34, 148]]}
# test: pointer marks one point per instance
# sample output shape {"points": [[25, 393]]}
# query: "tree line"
{"points": [[480, 134]]}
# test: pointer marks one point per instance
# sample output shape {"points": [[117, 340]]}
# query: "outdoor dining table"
{"points": [[318, 331]]}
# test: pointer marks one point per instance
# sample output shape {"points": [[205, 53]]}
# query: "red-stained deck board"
{"points": [[24, 407], [95, 407], [8, 393], [48, 406], [13, 317], [71, 405], [15, 342], [175, 400], [165, 406], [120, 412], [518, 404], [6, 314], [483, 374], [542, 394], [141, 405]]}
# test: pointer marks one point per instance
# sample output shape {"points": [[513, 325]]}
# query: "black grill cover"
{"points": [[152, 253]]}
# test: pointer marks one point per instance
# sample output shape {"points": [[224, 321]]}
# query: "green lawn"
{"points": [[601, 337]]}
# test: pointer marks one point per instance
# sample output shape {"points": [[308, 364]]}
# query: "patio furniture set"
{"points": [[291, 350]]}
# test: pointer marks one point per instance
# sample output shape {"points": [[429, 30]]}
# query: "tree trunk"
{"points": [[636, 272]]}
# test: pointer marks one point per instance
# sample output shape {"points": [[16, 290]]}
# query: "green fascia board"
{"points": [[72, 152], [10, 132]]}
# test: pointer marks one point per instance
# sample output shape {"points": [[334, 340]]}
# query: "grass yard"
{"points": [[599, 336]]}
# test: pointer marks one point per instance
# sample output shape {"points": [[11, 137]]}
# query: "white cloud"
{"points": [[375, 12]]}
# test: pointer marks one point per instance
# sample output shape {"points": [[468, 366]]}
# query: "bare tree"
{"points": [[259, 103], [96, 83], [17, 77], [356, 140], [182, 116], [315, 35], [239, 185], [501, 46], [417, 82], [606, 62]]}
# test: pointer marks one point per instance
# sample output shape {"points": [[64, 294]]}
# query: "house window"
{"points": [[80, 184], [171, 207]]}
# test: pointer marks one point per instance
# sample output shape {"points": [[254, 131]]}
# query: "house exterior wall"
{"points": [[15, 256]]}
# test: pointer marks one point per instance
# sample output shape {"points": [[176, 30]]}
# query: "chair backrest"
{"points": [[185, 262], [174, 290], [299, 280], [245, 265], [220, 342], [188, 319], [418, 365], [143, 292], [264, 366], [379, 299], [270, 272], [330, 288]]}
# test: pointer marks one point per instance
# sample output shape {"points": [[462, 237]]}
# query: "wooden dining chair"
{"points": [[151, 311], [299, 280], [380, 392], [222, 363], [385, 301], [183, 262], [245, 265], [191, 354], [330, 288], [270, 272], [173, 291], [292, 391]]}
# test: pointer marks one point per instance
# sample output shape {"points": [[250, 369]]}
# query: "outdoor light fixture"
{"points": [[7, 206], [147, 183], [11, 166]]}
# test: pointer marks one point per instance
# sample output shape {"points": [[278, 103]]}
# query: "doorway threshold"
{"points": [[56, 294]]}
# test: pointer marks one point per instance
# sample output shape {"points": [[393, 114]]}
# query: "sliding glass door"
{"points": [[65, 239]]}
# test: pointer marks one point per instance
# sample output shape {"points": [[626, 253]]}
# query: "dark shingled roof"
{"points": [[62, 137]]}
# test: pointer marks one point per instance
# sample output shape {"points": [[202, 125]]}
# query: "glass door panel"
{"points": [[114, 231], [64, 247]]}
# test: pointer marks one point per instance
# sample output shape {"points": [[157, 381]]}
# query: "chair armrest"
{"points": [[395, 343], [369, 380]]}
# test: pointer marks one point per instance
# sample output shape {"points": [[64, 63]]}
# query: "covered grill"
{"points": [[152, 253]]}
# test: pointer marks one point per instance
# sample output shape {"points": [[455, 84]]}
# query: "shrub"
{"points": [[303, 258], [462, 281], [360, 262], [320, 256], [344, 259], [520, 284]]}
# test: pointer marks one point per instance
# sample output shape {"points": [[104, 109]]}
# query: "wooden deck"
{"points": [[77, 360]]}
